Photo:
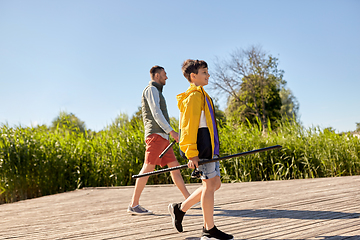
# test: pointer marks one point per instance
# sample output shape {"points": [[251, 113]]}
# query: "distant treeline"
{"points": [[38, 161]]}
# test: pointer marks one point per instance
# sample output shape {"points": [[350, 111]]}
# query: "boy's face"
{"points": [[201, 78]]}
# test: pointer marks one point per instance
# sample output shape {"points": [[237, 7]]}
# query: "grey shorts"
{"points": [[210, 170]]}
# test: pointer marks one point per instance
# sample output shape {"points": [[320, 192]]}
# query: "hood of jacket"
{"points": [[182, 96]]}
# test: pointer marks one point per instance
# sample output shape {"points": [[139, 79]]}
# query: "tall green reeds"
{"points": [[306, 153], [37, 161]]}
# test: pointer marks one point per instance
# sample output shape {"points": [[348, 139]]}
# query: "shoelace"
{"points": [[142, 209]]}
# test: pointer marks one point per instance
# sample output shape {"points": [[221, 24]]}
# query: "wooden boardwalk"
{"points": [[326, 208]]}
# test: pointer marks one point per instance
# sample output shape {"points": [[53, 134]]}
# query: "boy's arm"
{"points": [[152, 96], [193, 162], [190, 124]]}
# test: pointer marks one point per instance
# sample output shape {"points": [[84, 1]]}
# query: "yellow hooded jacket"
{"points": [[191, 104]]}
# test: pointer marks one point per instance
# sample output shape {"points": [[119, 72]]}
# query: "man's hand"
{"points": [[193, 162], [174, 135]]}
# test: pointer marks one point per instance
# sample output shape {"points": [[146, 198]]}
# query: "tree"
{"points": [[124, 121], [253, 83], [121, 120], [289, 104], [68, 121], [357, 127], [219, 114], [137, 115]]}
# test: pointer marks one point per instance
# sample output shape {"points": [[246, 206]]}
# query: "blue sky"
{"points": [[92, 58]]}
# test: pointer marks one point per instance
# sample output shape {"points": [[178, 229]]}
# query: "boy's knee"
{"points": [[212, 183], [218, 183], [218, 186]]}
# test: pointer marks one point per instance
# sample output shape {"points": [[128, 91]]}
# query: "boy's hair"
{"points": [[155, 69], [192, 66]]}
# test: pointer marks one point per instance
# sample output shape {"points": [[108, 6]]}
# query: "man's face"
{"points": [[201, 78], [162, 77]]}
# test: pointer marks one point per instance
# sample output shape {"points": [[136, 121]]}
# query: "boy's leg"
{"points": [[140, 184], [207, 200], [194, 198], [178, 179], [211, 174], [211, 183], [177, 210]]}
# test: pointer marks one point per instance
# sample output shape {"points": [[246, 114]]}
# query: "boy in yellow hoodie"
{"points": [[199, 140]]}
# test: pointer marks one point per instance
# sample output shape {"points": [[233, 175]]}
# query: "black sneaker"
{"points": [[215, 233], [177, 215]]}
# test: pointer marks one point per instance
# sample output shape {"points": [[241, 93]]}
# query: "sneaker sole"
{"points": [[207, 238], [171, 211], [196, 205], [135, 213]]}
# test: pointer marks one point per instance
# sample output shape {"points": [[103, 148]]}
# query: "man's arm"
{"points": [[174, 135]]}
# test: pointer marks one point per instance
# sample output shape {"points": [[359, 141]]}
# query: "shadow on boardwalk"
{"points": [[290, 214]]}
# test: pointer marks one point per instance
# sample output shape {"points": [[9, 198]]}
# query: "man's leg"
{"points": [[178, 179], [140, 184]]}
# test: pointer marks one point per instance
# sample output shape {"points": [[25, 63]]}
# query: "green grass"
{"points": [[38, 161]]}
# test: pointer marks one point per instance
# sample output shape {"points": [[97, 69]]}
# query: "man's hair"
{"points": [[155, 69], [192, 66]]}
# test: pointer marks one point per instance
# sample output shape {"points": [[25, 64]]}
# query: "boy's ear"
{"points": [[192, 76]]}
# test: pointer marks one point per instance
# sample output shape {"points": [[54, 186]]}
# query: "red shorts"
{"points": [[155, 145]]}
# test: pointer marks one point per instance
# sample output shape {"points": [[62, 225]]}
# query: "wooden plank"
{"points": [[325, 208]]}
